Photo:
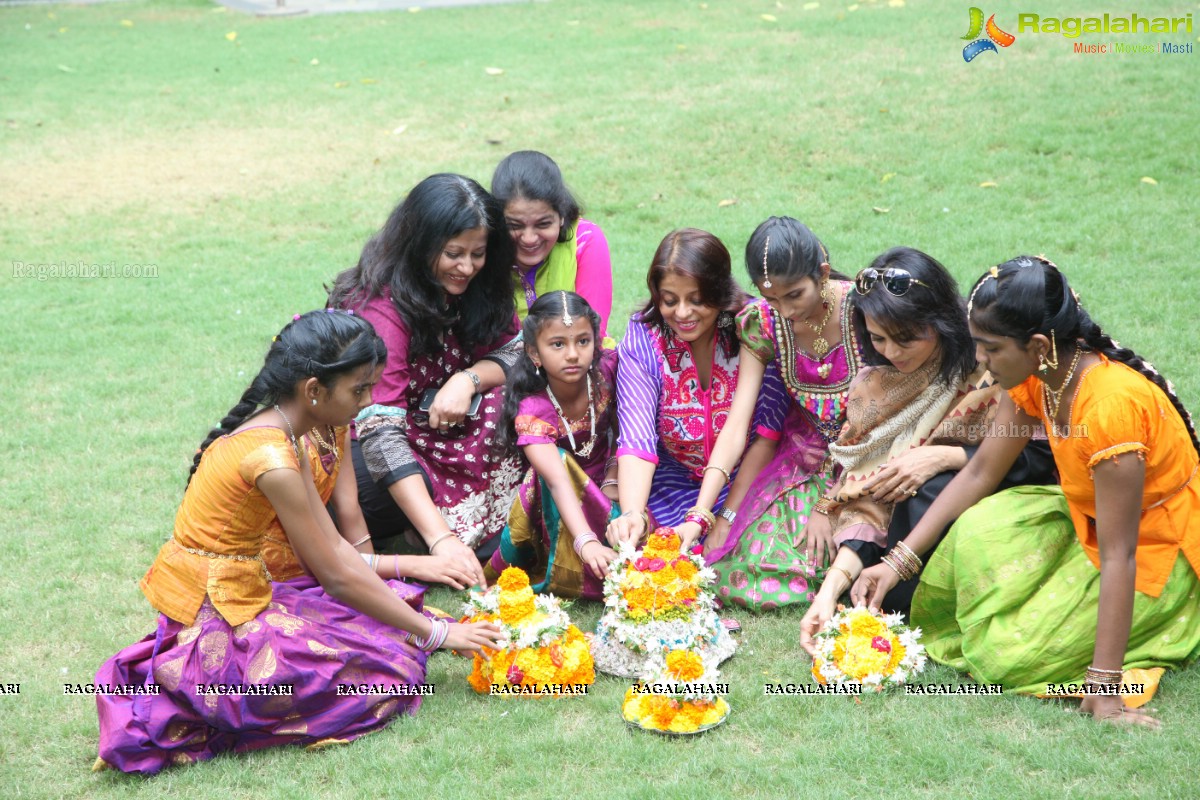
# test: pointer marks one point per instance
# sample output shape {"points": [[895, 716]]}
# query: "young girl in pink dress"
{"points": [[560, 411]]}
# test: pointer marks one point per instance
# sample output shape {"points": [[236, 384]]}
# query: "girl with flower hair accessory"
{"points": [[556, 249], [800, 331], [434, 281], [243, 659], [1034, 584], [560, 411]]}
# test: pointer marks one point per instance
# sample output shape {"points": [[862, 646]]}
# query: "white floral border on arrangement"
{"points": [[547, 625], [654, 672], [914, 652], [622, 647]]}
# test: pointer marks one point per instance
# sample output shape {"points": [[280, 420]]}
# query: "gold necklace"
{"points": [[329, 447], [1053, 399], [586, 450], [820, 346]]}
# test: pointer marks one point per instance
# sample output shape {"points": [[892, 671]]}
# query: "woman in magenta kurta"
{"points": [[435, 284]]}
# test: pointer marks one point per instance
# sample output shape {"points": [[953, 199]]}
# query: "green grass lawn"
{"points": [[249, 169]]}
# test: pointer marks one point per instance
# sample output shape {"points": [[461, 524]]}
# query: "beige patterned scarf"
{"points": [[889, 413]]}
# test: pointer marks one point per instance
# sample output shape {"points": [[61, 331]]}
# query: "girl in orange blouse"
{"points": [[244, 659], [1033, 585]]}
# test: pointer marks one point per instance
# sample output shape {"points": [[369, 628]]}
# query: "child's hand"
{"points": [[596, 557]]}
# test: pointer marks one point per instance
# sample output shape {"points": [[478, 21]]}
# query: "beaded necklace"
{"points": [[1052, 398], [587, 448]]}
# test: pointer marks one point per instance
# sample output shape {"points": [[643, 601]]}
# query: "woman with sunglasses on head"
{"points": [[915, 416], [799, 332], [1095, 584], [435, 282]]}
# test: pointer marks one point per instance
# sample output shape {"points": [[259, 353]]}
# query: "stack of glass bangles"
{"points": [[702, 517], [437, 636], [581, 541], [903, 561], [1102, 677]]}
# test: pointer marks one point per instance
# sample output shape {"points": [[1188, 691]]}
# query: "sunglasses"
{"points": [[896, 281]]}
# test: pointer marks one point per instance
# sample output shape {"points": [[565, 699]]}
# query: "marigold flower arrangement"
{"points": [[678, 694], [656, 598], [864, 647], [544, 651]]}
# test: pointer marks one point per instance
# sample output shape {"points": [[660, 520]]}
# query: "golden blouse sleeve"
{"points": [[266, 458]]}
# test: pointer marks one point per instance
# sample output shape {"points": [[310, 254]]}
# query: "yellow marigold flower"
{"points": [[865, 624], [861, 659], [685, 665], [513, 613]]}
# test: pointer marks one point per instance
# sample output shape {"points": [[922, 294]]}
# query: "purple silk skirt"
{"points": [[225, 689]]}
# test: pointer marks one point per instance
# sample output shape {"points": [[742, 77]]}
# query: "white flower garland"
{"points": [[547, 625]]}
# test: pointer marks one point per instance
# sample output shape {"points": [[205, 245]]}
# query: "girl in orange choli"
{"points": [[243, 659]]}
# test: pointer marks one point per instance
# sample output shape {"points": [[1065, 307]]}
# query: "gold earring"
{"points": [[1052, 361], [1043, 367]]}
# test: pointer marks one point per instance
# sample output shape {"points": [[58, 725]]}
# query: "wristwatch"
{"points": [[728, 514]]}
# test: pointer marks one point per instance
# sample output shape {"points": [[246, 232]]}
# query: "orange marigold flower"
{"points": [[513, 612], [512, 579], [685, 569]]}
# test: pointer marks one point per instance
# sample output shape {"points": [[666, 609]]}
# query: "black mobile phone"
{"points": [[427, 403]]}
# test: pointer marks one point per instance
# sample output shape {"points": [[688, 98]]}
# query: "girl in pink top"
{"points": [[556, 249]]}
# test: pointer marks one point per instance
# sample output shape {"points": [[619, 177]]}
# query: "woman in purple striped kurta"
{"points": [[676, 373]]}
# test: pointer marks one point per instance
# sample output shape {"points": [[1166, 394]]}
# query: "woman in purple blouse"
{"points": [[677, 369]]}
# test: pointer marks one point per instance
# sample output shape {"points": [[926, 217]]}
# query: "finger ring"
{"points": [[913, 493]]}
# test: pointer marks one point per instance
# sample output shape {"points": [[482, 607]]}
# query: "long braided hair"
{"points": [[320, 344], [1029, 295]]}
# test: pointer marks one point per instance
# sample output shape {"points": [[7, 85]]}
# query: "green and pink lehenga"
{"points": [[761, 565]]}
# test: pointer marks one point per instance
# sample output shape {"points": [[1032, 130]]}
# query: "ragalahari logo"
{"points": [[994, 37]]}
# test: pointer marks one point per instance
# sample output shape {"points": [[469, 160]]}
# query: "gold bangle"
{"points": [[722, 470], [844, 571]]}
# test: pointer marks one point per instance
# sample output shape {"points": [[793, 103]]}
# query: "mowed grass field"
{"points": [[247, 160]]}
